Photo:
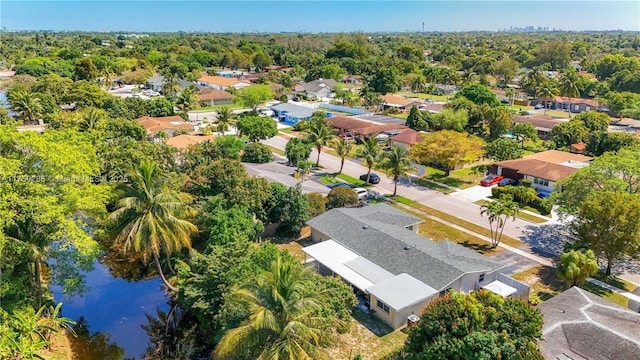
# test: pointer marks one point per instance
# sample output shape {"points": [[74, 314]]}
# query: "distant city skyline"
{"points": [[315, 16]]}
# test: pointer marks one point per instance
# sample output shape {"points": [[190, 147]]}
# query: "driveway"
{"points": [[279, 171], [474, 193]]}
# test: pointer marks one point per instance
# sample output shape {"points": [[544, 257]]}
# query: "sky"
{"points": [[316, 16]]}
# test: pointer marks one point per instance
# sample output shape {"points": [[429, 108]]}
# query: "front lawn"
{"points": [[542, 280], [461, 179], [330, 179]]}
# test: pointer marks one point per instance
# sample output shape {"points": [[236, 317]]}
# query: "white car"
{"points": [[361, 192]]}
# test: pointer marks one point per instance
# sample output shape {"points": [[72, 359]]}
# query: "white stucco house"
{"points": [[395, 271]]}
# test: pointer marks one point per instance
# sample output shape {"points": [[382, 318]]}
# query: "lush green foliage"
{"points": [[341, 196], [481, 325], [257, 153], [297, 150], [577, 266], [257, 127], [447, 148], [503, 149]]}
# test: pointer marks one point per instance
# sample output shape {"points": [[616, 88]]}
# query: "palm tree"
{"points": [[90, 119], [26, 104], [304, 168], [547, 89], [188, 99], [569, 86], [224, 120], [151, 218], [499, 212], [511, 95], [284, 323], [468, 77], [170, 86], [319, 134], [370, 153], [343, 149], [418, 84], [397, 164], [370, 98]]}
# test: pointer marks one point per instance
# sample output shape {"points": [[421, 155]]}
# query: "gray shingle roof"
{"points": [[317, 85], [294, 110], [379, 234], [578, 324]]}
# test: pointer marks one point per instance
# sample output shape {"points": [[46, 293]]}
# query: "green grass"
{"points": [[542, 280], [460, 222], [275, 150], [521, 215], [461, 179], [410, 94], [606, 293], [286, 130], [433, 186], [352, 180], [615, 281]]}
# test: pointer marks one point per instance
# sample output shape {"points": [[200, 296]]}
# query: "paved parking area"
{"points": [[279, 171], [474, 193]]}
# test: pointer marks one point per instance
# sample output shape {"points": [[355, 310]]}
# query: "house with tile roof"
{"points": [[354, 128], [211, 97], [581, 325], [399, 103], [167, 124], [544, 169], [542, 123], [221, 83], [406, 138], [395, 270]]}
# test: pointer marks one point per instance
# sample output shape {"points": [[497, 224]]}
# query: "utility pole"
{"points": [[423, 27]]}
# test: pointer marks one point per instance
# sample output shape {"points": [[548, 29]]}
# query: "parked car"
{"points": [[491, 180], [373, 178], [361, 192], [543, 194], [508, 181]]}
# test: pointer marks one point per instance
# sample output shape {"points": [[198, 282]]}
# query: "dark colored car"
{"points": [[508, 181], [331, 186], [543, 194], [491, 180], [373, 178]]}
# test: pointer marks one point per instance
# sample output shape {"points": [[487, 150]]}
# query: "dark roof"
{"points": [[382, 119], [379, 234], [541, 122], [316, 85], [579, 325]]}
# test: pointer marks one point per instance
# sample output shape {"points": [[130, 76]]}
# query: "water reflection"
{"points": [[97, 345], [115, 308]]}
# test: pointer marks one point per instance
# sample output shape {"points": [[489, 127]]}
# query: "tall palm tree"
{"points": [[569, 86], [26, 104], [370, 153], [499, 212], [511, 95], [170, 86], [418, 83], [397, 163], [468, 77], [188, 99], [547, 89], [284, 323], [319, 134], [224, 120], [343, 149], [91, 118], [151, 218]]}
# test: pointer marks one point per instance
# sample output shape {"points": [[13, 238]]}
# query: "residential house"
{"points": [[228, 74], [290, 114], [155, 83], [220, 83], [183, 141], [581, 325], [406, 138], [352, 79], [544, 169], [166, 124], [318, 89], [399, 103], [211, 97], [577, 105], [356, 129], [543, 123], [578, 148], [393, 269], [442, 89], [432, 106]]}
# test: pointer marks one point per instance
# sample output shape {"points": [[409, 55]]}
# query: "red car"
{"points": [[491, 180]]}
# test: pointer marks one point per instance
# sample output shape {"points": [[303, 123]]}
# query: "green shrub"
{"points": [[526, 182], [301, 125], [341, 196], [257, 153]]}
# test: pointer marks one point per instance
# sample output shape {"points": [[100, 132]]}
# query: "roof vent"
{"points": [[365, 227], [407, 247]]}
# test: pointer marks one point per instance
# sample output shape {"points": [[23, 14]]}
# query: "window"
{"points": [[576, 108], [541, 182], [383, 306], [481, 278]]}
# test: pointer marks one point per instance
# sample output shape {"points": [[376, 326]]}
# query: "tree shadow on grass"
{"points": [[372, 323], [481, 248]]}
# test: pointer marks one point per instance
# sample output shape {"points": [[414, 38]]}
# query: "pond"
{"points": [[112, 312], [4, 103]]}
